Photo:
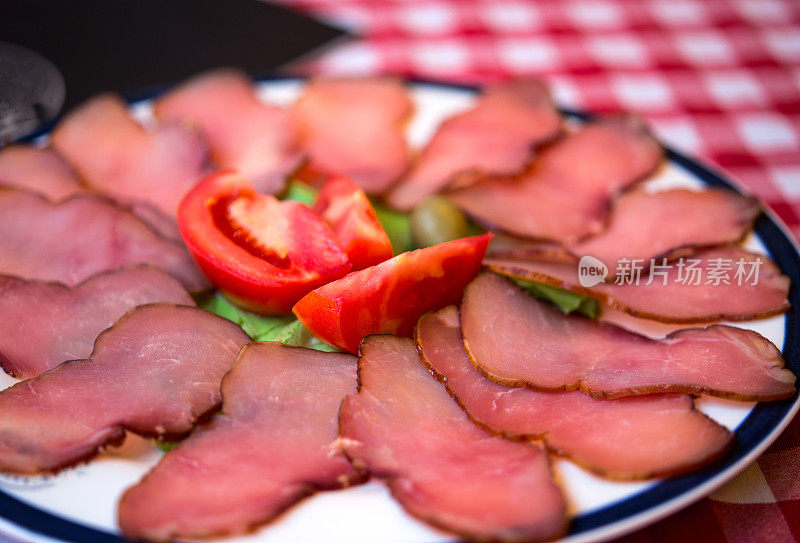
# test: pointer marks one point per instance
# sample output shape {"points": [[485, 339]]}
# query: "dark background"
{"points": [[130, 46]]}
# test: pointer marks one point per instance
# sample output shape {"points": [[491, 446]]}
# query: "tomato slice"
{"points": [[347, 209], [262, 253], [390, 297]]}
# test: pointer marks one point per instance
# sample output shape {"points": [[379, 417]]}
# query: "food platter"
{"points": [[79, 504]]}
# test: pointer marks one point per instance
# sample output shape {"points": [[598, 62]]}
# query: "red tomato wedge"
{"points": [[347, 209], [262, 253], [390, 297]]}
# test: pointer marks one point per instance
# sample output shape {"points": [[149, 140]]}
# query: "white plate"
{"points": [[80, 503]]}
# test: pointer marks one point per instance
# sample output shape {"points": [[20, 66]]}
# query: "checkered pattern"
{"points": [[718, 79], [762, 504]]}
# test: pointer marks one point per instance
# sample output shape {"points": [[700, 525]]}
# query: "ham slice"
{"points": [[516, 340], [564, 195], [630, 438], [497, 137], [116, 156], [274, 443], [43, 171], [42, 324], [504, 246], [164, 225], [656, 225], [156, 372], [354, 127], [37, 169], [244, 133], [81, 236], [676, 295], [403, 427]]}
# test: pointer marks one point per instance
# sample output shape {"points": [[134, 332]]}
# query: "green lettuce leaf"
{"points": [[294, 333], [284, 328], [566, 300], [397, 226], [299, 192], [475, 229], [167, 446]]}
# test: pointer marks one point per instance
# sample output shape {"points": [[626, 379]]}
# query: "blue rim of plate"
{"points": [[758, 426]]}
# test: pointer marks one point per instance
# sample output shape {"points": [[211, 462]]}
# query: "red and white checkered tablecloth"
{"points": [[717, 79]]}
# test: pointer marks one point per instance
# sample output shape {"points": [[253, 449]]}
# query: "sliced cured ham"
{"points": [[274, 443], [755, 287], [504, 246], [164, 225], [155, 372], [630, 438], [244, 133], [43, 171], [646, 225], [403, 427], [497, 137], [516, 340], [354, 127], [116, 156], [565, 194], [37, 169], [81, 236], [43, 324]]}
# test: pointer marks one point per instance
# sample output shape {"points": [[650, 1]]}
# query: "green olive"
{"points": [[436, 220]]}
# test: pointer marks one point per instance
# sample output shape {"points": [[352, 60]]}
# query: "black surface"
{"points": [[131, 45]]}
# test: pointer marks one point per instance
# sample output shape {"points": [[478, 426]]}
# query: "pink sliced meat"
{"points": [[504, 246], [404, 428], [751, 286], [565, 194], [274, 443], [354, 127], [44, 172], [81, 236], [164, 225], [257, 139], [518, 341], [43, 324], [116, 156], [37, 169], [629, 438], [155, 372], [497, 137], [646, 225]]}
